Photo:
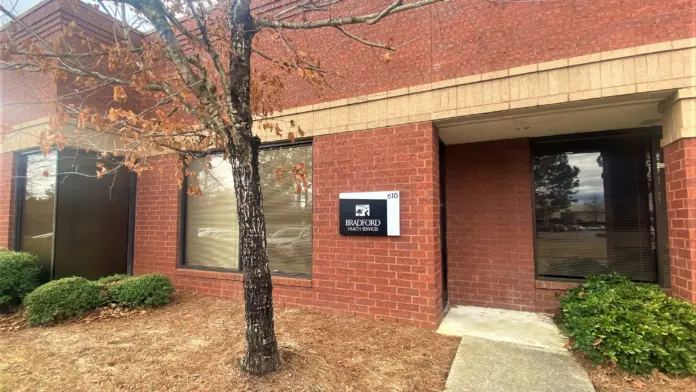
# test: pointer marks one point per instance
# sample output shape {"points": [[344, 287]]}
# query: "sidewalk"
{"points": [[503, 350]]}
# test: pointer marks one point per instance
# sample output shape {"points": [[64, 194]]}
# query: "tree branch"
{"points": [[372, 18], [308, 6], [365, 42], [209, 47], [155, 12], [25, 27], [386, 12], [282, 63]]}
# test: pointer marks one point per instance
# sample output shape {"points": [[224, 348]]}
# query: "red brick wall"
{"points": [[450, 39], [680, 172], [7, 188], [157, 217], [454, 39], [398, 279], [547, 293], [157, 238], [489, 225], [48, 19], [20, 88]]}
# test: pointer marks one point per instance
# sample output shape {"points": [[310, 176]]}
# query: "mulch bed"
{"points": [[607, 378], [195, 344]]}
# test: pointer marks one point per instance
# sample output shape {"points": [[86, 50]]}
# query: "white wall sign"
{"points": [[369, 213]]}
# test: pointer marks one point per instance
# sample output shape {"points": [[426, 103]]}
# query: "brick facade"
{"points": [[680, 172], [446, 41], [450, 40], [490, 245], [7, 202], [546, 295], [398, 279], [488, 185], [490, 255]]}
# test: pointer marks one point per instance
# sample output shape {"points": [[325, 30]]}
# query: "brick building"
{"points": [[531, 144]]}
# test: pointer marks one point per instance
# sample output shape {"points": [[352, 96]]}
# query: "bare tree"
{"points": [[595, 206], [190, 89]]}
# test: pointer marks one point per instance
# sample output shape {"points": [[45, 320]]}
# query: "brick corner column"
{"points": [[156, 218], [396, 279], [679, 142], [7, 202]]}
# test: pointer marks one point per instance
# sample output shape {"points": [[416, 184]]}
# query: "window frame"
{"points": [[536, 144], [183, 201]]}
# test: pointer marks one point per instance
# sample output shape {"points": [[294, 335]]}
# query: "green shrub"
{"points": [[637, 326], [145, 290], [19, 276], [61, 299], [112, 279]]}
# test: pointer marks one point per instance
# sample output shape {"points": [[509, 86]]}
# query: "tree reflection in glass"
{"points": [[212, 229], [37, 211], [569, 197], [286, 182]]}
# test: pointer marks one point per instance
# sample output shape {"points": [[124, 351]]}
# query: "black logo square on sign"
{"points": [[362, 217]]}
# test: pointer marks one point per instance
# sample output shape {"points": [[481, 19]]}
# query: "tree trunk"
{"points": [[261, 355]]}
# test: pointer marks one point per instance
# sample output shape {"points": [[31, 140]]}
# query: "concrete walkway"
{"points": [[503, 350]]}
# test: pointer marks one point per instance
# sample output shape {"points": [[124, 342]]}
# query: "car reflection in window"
{"points": [[215, 233], [289, 248]]}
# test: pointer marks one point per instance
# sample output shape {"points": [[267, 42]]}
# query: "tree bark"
{"points": [[261, 355]]}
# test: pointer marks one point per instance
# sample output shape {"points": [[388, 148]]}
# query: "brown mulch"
{"points": [[17, 320], [12, 322], [610, 379], [195, 344]]}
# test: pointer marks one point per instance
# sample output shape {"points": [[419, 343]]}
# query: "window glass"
{"points": [[36, 221], [91, 217], [594, 208], [212, 232], [286, 182]]}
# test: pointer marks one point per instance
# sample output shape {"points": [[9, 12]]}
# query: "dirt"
{"points": [[195, 344], [607, 378]]}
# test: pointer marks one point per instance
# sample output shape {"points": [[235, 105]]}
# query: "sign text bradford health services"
{"points": [[369, 213]]}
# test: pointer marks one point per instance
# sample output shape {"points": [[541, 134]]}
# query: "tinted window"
{"points": [[212, 234], [36, 221], [92, 217], [286, 181], [595, 207]]}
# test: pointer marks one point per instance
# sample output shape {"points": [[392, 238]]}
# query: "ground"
{"points": [[609, 379], [504, 350], [195, 343]]}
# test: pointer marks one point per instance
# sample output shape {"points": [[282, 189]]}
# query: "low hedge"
{"points": [[144, 290], [68, 297], [61, 299], [637, 326], [19, 276], [111, 279]]}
